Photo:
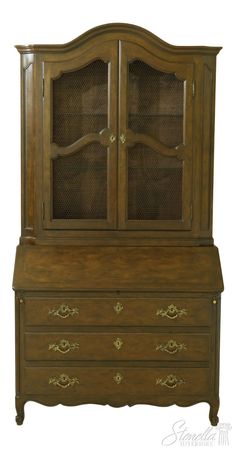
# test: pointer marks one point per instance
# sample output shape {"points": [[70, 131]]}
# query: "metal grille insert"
{"points": [[80, 184], [155, 103], [154, 185], [80, 101]]}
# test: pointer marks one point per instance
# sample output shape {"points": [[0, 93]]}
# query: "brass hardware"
{"points": [[214, 301], [112, 138], [64, 311], [122, 138], [171, 347], [63, 346], [118, 343], [118, 378], [63, 381], [171, 381], [118, 308], [21, 301], [171, 312]]}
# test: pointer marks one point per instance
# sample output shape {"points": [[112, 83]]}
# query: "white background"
{"points": [[182, 22]]}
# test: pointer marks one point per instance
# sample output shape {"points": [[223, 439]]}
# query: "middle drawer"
{"points": [[116, 346]]}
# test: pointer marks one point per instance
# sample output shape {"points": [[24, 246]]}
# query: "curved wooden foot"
{"points": [[20, 411], [214, 407]]}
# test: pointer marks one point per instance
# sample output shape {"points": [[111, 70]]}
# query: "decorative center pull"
{"points": [[118, 308], [63, 346], [171, 312], [171, 381], [171, 347], [63, 381], [64, 311], [118, 343], [118, 378]]}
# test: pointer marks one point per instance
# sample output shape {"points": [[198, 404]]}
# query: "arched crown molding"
{"points": [[125, 31]]}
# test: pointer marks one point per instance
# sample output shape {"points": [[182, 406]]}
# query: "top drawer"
{"points": [[118, 312]]}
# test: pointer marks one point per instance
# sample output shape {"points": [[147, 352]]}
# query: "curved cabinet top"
{"points": [[119, 31]]}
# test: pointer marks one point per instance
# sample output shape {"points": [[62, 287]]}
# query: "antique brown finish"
{"points": [[97, 311], [117, 281]]}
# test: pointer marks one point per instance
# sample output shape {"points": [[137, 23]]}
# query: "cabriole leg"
{"points": [[20, 404], [214, 407]]}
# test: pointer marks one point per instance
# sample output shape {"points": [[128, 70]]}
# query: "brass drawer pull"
{"points": [[118, 308], [112, 138], [171, 312], [118, 343], [63, 381], [118, 378], [171, 347], [63, 346], [64, 311], [171, 381], [122, 138]]}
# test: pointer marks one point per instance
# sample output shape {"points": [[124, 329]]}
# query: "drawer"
{"points": [[116, 346], [101, 383], [125, 311]]}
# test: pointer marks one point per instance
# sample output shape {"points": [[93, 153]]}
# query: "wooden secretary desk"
{"points": [[117, 280]]}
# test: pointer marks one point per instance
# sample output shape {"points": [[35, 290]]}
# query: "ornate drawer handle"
{"points": [[118, 378], [63, 381], [171, 312], [171, 347], [122, 138], [63, 346], [112, 138], [171, 381], [118, 343], [118, 308], [64, 311]]}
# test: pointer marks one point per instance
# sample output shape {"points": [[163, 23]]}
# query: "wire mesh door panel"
{"points": [[79, 108], [155, 103], [154, 185], [80, 101], [155, 144], [81, 158]]}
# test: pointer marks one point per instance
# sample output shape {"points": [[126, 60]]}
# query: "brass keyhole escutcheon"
{"points": [[118, 307], [118, 343], [118, 378]]}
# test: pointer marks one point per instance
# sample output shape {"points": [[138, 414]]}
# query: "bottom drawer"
{"points": [[91, 383]]}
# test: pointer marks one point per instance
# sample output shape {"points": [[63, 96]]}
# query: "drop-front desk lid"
{"points": [[194, 269]]}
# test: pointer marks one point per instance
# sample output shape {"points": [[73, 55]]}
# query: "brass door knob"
{"points": [[112, 138], [122, 138]]}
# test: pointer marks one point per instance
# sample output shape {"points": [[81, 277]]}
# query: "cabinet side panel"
{"points": [[27, 145], [207, 145]]}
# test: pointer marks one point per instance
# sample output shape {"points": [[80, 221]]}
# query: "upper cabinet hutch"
{"points": [[117, 280]]}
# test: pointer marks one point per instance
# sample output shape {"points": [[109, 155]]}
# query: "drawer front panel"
{"points": [[105, 382], [116, 346], [127, 311]]}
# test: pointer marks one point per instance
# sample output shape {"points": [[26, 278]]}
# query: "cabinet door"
{"points": [[155, 141], [80, 115]]}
